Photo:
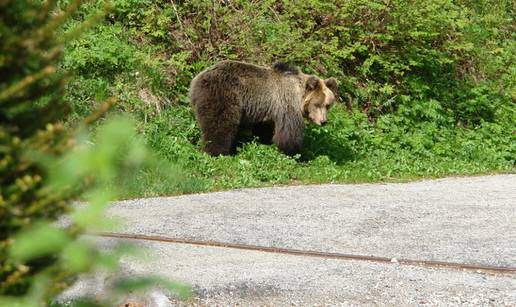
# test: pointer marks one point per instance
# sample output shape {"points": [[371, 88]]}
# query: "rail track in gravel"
{"points": [[477, 268]]}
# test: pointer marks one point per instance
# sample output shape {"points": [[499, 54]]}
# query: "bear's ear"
{"points": [[331, 83], [313, 83]]}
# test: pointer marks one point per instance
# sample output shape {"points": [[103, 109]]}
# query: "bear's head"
{"points": [[319, 96]]}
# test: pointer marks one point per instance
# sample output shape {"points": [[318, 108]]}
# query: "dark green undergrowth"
{"points": [[427, 88]]}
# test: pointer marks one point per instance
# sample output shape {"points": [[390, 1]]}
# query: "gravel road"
{"points": [[470, 220]]}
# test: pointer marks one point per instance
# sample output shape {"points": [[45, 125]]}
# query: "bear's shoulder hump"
{"points": [[285, 68]]}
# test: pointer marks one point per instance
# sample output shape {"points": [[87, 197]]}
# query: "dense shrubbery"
{"points": [[45, 166], [428, 87], [31, 107]]}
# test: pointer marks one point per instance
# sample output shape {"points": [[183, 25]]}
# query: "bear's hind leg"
{"points": [[219, 137]]}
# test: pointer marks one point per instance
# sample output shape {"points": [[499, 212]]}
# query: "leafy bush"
{"points": [[44, 167], [100, 52], [30, 109], [421, 82]]}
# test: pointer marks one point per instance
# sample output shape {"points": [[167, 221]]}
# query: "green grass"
{"points": [[430, 101], [347, 150]]}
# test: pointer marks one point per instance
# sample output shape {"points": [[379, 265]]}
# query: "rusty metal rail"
{"points": [[296, 252]]}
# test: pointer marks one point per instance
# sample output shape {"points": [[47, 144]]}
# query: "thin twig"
{"points": [[181, 27]]}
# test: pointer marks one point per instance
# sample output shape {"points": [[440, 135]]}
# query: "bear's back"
{"points": [[255, 89], [228, 77], [241, 70]]}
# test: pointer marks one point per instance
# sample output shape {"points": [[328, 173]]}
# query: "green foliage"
{"points": [[44, 167], [429, 87], [100, 52], [59, 254], [30, 107]]}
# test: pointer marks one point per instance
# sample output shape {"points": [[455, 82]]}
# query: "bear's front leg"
{"points": [[289, 133]]}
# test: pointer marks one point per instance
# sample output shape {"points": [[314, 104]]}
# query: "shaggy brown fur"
{"points": [[273, 101]]}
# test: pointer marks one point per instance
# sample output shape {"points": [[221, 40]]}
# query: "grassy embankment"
{"points": [[428, 88]]}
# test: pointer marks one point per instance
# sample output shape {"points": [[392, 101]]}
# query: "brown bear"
{"points": [[273, 101]]}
